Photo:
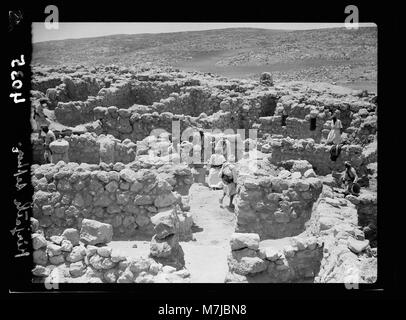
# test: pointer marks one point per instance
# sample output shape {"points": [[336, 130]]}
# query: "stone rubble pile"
{"points": [[84, 257], [252, 260], [165, 247], [347, 256]]}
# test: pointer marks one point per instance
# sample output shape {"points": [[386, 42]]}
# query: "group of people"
{"points": [[350, 177], [41, 126], [222, 174]]}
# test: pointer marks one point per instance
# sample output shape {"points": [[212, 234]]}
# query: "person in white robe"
{"points": [[228, 175], [215, 163], [185, 152], [335, 134]]}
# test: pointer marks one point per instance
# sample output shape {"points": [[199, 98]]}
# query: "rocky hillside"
{"points": [[333, 55]]}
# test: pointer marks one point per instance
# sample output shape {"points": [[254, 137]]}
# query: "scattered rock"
{"points": [[357, 246], [72, 235], [309, 173], [95, 232], [38, 241], [244, 240]]}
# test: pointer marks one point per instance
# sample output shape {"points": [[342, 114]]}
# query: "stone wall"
{"points": [[73, 113], [347, 256], [295, 128], [254, 261], [276, 206], [71, 258], [367, 210], [192, 101], [76, 108], [88, 148], [317, 154], [73, 89], [44, 83], [220, 104], [126, 196], [357, 114], [123, 124]]}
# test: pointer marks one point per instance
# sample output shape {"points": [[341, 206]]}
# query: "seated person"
{"points": [[350, 179]]}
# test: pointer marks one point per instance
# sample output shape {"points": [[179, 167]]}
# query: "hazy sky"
{"points": [[87, 30]]}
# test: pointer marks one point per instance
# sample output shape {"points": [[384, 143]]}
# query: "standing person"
{"points": [[225, 145], [49, 137], [40, 119], [202, 138], [228, 176], [350, 178], [284, 117], [215, 163], [337, 129], [185, 149], [163, 144]]}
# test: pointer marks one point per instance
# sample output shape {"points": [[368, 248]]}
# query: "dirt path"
{"points": [[206, 258], [217, 223]]}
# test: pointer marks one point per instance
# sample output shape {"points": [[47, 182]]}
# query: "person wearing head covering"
{"points": [[350, 179], [225, 144], [40, 118], [284, 117], [215, 163], [334, 135], [228, 177], [185, 151], [162, 145], [49, 137]]}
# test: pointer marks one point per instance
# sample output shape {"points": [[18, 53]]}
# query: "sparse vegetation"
{"points": [[348, 57]]}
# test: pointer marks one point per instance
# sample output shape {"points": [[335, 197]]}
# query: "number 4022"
{"points": [[17, 84]]}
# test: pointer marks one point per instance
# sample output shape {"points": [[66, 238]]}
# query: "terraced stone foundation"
{"points": [[112, 181], [276, 206], [125, 196]]}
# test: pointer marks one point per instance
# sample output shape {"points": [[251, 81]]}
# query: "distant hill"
{"points": [[231, 52]]}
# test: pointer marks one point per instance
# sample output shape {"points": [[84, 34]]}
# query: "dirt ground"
{"points": [[206, 255]]}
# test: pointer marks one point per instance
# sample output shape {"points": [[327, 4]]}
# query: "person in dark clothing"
{"points": [[201, 132], [284, 117], [350, 179], [335, 151], [49, 137]]}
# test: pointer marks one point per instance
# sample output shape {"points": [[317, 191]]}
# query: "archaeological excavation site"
{"points": [[122, 189]]}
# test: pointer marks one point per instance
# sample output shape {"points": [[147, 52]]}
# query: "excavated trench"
{"points": [[280, 208]]}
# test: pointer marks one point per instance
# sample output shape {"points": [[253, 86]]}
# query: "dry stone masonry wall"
{"points": [[125, 196], [83, 256], [318, 155], [88, 148], [254, 261], [277, 206], [107, 181]]}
